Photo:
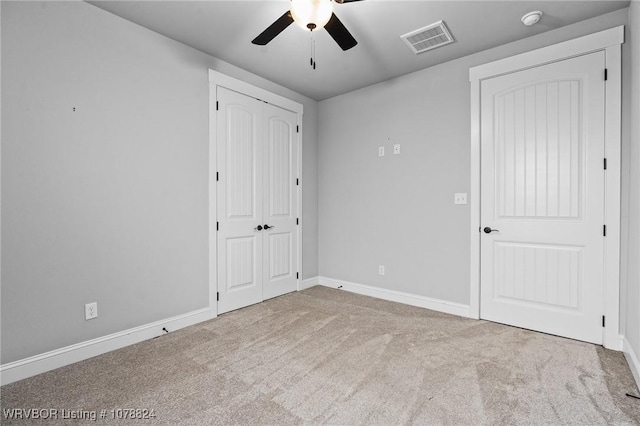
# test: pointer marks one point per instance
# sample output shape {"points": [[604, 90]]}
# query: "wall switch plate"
{"points": [[381, 151], [396, 149], [91, 310], [381, 270], [460, 198]]}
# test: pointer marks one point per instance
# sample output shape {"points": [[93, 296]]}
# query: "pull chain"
{"points": [[312, 60]]}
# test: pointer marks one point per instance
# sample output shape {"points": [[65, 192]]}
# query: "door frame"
{"points": [[610, 42], [219, 79]]}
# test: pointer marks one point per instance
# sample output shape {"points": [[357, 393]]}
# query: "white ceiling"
{"points": [[225, 29]]}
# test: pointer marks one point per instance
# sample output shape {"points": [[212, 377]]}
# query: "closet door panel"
{"points": [[281, 201]]}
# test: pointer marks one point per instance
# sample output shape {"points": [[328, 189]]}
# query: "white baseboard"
{"points": [[633, 360], [21, 369], [614, 343], [400, 297], [308, 283]]}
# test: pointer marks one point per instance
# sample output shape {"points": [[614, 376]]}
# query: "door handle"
{"points": [[258, 228], [266, 227], [488, 230]]}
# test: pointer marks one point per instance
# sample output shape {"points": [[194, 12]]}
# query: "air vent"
{"points": [[427, 38]]}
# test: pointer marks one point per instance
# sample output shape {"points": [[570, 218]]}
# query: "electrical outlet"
{"points": [[91, 310], [381, 151], [381, 270], [396, 149]]}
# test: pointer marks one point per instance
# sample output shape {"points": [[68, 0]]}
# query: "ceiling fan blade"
{"points": [[274, 29], [345, 1], [340, 33]]}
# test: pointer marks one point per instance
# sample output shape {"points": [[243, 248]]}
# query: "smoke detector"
{"points": [[531, 18]]}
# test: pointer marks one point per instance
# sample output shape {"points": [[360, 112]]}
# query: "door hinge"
{"points": [[217, 106], [297, 275], [297, 181], [297, 221], [606, 76], [217, 226], [604, 230], [218, 296], [605, 163], [297, 129], [218, 176], [603, 321]]}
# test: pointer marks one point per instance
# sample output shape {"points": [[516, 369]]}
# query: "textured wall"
{"points": [[107, 202]]}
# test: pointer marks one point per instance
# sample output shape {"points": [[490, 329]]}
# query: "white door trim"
{"points": [[610, 42], [218, 79]]}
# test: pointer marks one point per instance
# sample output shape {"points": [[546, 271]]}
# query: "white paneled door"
{"points": [[542, 198], [280, 240], [257, 203]]}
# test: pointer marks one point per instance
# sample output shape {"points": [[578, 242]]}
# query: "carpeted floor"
{"points": [[331, 357]]}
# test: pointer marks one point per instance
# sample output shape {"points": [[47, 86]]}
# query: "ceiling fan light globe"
{"points": [[316, 12]]}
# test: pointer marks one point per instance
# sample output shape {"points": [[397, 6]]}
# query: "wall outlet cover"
{"points": [[91, 310], [381, 151]]}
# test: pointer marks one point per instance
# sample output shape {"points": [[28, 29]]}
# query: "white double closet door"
{"points": [[257, 200]]}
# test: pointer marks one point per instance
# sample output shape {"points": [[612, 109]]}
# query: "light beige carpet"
{"points": [[331, 357]]}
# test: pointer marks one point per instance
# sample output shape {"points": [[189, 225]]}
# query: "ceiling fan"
{"points": [[311, 15]]}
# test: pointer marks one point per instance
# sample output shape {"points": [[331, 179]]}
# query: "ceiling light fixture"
{"points": [[531, 18], [311, 14]]}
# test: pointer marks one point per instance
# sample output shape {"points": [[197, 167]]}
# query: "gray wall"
{"points": [[632, 320], [398, 211], [109, 202]]}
